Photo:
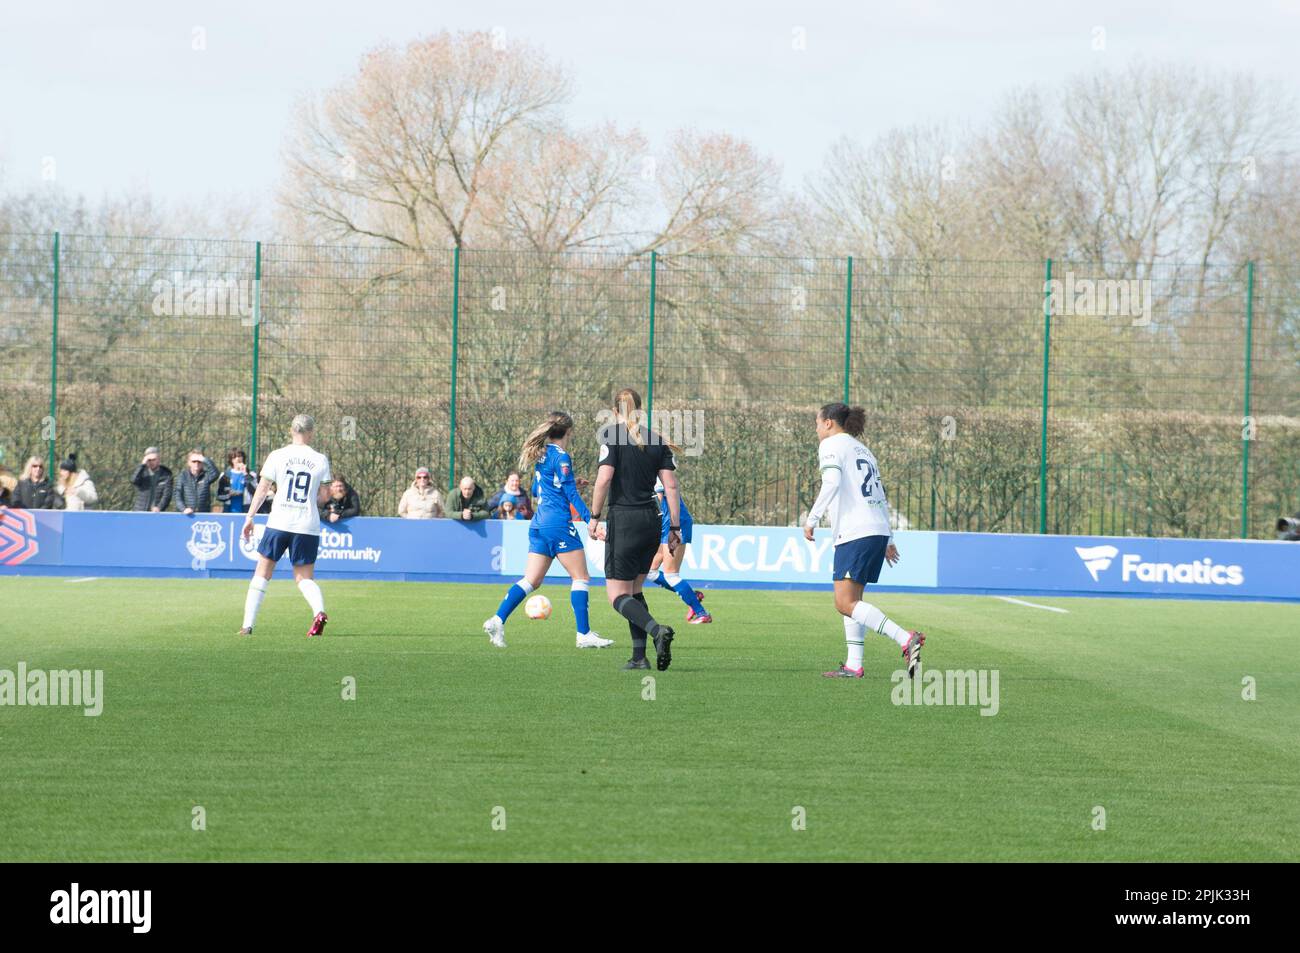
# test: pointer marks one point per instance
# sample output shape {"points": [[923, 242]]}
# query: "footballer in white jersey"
{"points": [[298, 473], [852, 493], [860, 508], [299, 478]]}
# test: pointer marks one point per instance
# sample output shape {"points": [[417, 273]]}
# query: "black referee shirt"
{"points": [[636, 468]]}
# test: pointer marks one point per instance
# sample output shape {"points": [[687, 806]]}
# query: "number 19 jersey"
{"points": [[297, 472], [859, 508]]}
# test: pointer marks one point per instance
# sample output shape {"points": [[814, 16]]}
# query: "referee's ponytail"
{"points": [[852, 419], [627, 405]]}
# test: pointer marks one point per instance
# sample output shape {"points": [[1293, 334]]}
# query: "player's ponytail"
{"points": [[853, 420], [556, 425], [627, 407]]}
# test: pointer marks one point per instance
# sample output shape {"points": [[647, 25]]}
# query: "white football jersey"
{"points": [[297, 472], [859, 508]]}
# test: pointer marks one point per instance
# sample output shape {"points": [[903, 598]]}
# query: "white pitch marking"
{"points": [[1032, 605], [84, 579]]}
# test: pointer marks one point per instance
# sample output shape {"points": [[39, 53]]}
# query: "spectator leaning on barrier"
{"points": [[34, 490], [237, 484], [421, 501], [153, 483], [194, 485], [467, 502], [343, 502], [75, 486]]}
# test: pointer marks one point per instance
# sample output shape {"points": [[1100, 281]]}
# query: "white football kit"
{"points": [[851, 490], [297, 472]]}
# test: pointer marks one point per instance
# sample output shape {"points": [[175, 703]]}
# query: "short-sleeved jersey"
{"points": [[683, 514], [297, 472], [556, 489], [859, 508], [636, 467]]}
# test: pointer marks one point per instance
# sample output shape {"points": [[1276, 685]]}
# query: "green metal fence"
{"points": [[1033, 396]]}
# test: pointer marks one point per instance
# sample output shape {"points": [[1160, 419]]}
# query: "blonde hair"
{"points": [[27, 467], [556, 425], [627, 408]]}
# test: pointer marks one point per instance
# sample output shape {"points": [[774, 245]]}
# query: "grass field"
{"points": [[1131, 705]]}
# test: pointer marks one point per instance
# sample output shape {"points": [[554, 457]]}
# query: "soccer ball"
{"points": [[538, 607]]}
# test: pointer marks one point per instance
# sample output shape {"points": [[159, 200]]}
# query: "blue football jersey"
{"points": [[553, 482], [683, 513]]}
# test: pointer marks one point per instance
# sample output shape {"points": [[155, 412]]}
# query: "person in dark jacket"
{"points": [[238, 483], [34, 490], [343, 503], [153, 484], [194, 485], [468, 503]]}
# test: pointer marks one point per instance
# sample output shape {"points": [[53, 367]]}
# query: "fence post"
{"points": [[53, 427], [455, 354], [1247, 432], [1047, 352], [650, 364], [257, 353], [848, 327]]}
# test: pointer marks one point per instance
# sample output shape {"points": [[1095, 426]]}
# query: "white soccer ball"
{"points": [[538, 607]]}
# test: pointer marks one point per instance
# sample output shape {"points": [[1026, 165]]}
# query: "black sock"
{"points": [[634, 609], [639, 637]]}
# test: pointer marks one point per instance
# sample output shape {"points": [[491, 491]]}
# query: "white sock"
{"points": [[854, 636], [311, 592], [253, 601], [865, 614]]}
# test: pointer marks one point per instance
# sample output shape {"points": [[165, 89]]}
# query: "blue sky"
{"points": [[118, 96]]}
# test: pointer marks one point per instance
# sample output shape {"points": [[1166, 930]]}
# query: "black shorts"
{"points": [[631, 541]]}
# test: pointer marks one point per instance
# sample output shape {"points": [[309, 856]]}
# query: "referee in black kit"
{"points": [[631, 458]]}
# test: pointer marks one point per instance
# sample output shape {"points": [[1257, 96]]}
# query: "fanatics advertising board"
{"points": [[103, 543]]}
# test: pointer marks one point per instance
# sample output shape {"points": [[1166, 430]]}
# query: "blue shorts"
{"points": [[554, 539], [860, 559], [664, 524], [302, 547]]}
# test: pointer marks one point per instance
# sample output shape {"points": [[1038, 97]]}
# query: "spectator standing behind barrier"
{"points": [[34, 490], [508, 510], [421, 501], [194, 485], [75, 485], [467, 503], [153, 484], [235, 489], [8, 483], [514, 490], [343, 503]]}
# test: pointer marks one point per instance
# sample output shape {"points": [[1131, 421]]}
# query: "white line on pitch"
{"points": [[1032, 605], [84, 579]]}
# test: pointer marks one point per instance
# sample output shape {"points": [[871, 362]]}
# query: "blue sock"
{"points": [[578, 598], [687, 593], [659, 580], [510, 603]]}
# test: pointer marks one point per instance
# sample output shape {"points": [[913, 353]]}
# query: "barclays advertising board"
{"points": [[758, 555]]}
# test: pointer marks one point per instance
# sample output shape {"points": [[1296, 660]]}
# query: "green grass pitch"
{"points": [[1134, 706]]}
